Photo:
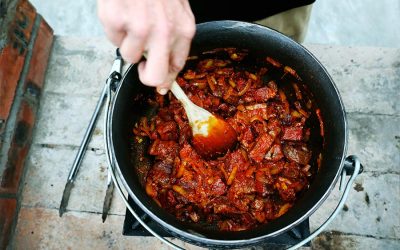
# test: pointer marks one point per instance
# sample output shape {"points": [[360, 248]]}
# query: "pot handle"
{"points": [[352, 167]]}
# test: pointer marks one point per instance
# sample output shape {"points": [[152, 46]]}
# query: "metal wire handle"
{"points": [[110, 159], [357, 168]]}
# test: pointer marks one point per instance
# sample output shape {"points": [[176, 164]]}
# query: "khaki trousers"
{"points": [[293, 23]]}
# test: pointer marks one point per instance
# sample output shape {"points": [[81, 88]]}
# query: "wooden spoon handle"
{"points": [[180, 95], [193, 112]]}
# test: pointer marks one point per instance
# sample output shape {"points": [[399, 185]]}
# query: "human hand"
{"points": [[162, 28]]}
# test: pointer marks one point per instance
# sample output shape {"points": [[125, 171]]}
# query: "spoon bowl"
{"points": [[212, 136]]}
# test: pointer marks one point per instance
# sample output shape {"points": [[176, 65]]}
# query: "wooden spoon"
{"points": [[212, 136]]}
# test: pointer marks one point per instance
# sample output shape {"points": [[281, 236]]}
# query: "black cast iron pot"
{"points": [[129, 105]]}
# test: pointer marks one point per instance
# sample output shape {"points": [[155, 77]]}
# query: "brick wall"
{"points": [[25, 44]]}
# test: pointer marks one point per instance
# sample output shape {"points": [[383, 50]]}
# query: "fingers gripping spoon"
{"points": [[212, 136]]}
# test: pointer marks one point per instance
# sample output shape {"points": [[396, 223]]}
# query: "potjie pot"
{"points": [[128, 104]]}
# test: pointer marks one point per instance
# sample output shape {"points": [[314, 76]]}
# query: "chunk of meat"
{"points": [[185, 132], [236, 159], [215, 186], [263, 143], [164, 150], [158, 177], [286, 191], [241, 192], [189, 155], [297, 153], [292, 133], [275, 153], [264, 183], [259, 113], [265, 93], [168, 131], [241, 185], [221, 205], [247, 138], [257, 210]]}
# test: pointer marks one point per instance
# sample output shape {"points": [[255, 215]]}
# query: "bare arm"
{"points": [[162, 28]]}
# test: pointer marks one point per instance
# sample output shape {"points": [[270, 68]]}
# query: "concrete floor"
{"points": [[355, 23], [341, 22]]}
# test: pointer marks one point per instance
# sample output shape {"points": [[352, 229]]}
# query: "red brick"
{"points": [[26, 118], [12, 57], [18, 150], [10, 68], [7, 213], [40, 56], [25, 17], [12, 62]]}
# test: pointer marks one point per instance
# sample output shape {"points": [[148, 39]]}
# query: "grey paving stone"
{"points": [[41, 228], [338, 241], [358, 56], [48, 169], [357, 22], [79, 66], [368, 79], [372, 208], [63, 120], [375, 139], [369, 91], [71, 17]]}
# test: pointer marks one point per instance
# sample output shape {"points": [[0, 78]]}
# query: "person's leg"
{"points": [[293, 23]]}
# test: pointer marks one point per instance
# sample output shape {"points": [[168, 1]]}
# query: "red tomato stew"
{"points": [[273, 162]]}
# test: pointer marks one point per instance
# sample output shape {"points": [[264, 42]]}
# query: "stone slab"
{"points": [[41, 228], [368, 79], [64, 118], [372, 208], [355, 56], [359, 22], [339, 241], [79, 17], [48, 169], [369, 90], [79, 67], [375, 139]]}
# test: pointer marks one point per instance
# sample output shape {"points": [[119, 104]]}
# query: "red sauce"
{"points": [[267, 166]]}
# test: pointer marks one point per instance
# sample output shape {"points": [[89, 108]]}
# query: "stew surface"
{"points": [[270, 167]]}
